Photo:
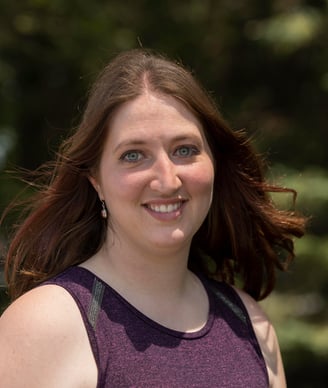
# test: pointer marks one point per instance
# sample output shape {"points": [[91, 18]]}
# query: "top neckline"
{"points": [[149, 321]]}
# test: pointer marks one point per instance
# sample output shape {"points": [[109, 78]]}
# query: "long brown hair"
{"points": [[243, 235]]}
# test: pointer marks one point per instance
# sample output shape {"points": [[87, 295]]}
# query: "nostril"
{"points": [[166, 183]]}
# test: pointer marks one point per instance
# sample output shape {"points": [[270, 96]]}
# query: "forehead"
{"points": [[153, 114]]}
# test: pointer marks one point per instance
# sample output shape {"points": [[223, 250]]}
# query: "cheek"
{"points": [[123, 187], [201, 178]]}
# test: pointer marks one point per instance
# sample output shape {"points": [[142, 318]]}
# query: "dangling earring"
{"points": [[103, 209]]}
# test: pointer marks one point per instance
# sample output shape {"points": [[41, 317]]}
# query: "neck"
{"points": [[157, 284], [155, 271]]}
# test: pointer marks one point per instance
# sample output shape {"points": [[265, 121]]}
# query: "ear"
{"points": [[96, 186]]}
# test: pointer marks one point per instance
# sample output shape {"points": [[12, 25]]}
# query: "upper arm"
{"points": [[267, 340], [43, 341]]}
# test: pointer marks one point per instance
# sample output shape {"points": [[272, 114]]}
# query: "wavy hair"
{"points": [[243, 235]]}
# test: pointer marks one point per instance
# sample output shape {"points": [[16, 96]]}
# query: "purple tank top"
{"points": [[132, 350]]}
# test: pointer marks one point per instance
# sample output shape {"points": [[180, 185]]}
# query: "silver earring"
{"points": [[103, 209]]}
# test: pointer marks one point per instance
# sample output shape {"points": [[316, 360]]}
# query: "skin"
{"points": [[155, 156], [156, 176]]}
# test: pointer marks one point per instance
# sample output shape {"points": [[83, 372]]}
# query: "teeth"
{"points": [[165, 208]]}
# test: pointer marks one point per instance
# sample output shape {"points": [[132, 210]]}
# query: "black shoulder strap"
{"points": [[229, 297]]}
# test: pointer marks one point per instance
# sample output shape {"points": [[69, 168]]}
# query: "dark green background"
{"points": [[264, 61]]}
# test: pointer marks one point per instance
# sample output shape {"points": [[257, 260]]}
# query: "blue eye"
{"points": [[131, 156], [187, 151]]}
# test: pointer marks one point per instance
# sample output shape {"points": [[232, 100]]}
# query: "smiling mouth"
{"points": [[165, 208]]}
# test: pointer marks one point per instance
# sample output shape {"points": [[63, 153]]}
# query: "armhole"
{"points": [[233, 301], [89, 319]]}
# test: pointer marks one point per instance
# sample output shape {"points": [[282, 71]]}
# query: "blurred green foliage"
{"points": [[264, 61]]}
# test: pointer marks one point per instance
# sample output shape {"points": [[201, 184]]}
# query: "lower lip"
{"points": [[171, 216]]}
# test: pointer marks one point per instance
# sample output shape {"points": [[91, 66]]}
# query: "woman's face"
{"points": [[156, 174]]}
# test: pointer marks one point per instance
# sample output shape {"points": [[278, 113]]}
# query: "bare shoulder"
{"points": [[267, 339], [43, 333]]}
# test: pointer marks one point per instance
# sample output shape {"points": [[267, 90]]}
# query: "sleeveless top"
{"points": [[131, 350]]}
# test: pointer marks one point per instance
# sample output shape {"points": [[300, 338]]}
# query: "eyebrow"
{"points": [[129, 143], [140, 142]]}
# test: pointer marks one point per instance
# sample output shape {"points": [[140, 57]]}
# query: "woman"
{"points": [[151, 198]]}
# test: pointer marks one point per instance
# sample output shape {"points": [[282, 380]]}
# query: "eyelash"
{"points": [[192, 151], [125, 156]]}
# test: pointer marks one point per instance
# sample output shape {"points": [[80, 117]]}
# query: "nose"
{"points": [[165, 177]]}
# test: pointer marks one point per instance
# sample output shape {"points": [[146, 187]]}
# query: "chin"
{"points": [[177, 239]]}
